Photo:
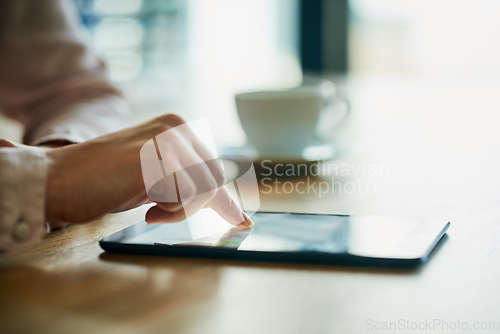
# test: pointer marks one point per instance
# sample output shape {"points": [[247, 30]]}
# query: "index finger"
{"points": [[227, 208]]}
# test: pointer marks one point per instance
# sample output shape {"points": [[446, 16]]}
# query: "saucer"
{"points": [[237, 160], [312, 153]]}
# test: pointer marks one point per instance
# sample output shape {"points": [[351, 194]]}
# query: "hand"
{"points": [[90, 179]]}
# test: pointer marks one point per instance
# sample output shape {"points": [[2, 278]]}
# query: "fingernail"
{"points": [[247, 222]]}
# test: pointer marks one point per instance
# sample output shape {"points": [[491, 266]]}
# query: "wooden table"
{"points": [[440, 143]]}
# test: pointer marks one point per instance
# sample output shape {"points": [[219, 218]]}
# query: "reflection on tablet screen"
{"points": [[292, 232]]}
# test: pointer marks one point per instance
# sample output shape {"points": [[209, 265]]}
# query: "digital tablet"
{"points": [[287, 237]]}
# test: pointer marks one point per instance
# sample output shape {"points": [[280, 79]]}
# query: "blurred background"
{"points": [[421, 75], [191, 56]]}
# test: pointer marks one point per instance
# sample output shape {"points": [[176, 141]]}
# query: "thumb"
{"points": [[226, 207]]}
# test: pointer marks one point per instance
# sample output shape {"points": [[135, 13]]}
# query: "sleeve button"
{"points": [[21, 231]]}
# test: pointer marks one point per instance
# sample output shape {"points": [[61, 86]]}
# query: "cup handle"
{"points": [[329, 119]]}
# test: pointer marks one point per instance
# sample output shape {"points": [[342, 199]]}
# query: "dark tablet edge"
{"points": [[230, 254], [433, 245]]}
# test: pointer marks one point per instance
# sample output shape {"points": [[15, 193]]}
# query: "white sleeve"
{"points": [[23, 175], [50, 80]]}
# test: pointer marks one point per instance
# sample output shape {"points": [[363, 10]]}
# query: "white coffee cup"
{"points": [[285, 122]]}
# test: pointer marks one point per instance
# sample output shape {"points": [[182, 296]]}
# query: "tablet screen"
{"points": [[367, 236]]}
